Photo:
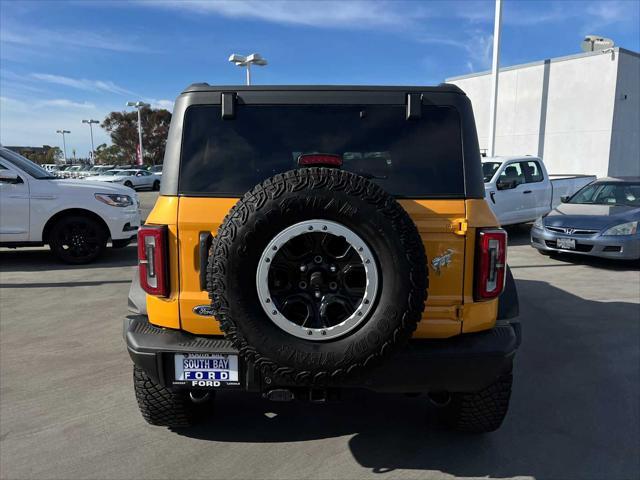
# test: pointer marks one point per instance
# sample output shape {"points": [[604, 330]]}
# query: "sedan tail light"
{"points": [[152, 259], [491, 263]]}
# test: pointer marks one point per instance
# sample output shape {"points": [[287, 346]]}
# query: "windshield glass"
{"points": [[26, 165], [609, 194], [488, 169]]}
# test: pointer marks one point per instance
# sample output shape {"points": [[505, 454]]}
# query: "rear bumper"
{"points": [[465, 363]]}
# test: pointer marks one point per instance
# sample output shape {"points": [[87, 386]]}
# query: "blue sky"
{"points": [[62, 61]]}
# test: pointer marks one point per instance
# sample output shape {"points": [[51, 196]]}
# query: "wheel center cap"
{"points": [[316, 280]]}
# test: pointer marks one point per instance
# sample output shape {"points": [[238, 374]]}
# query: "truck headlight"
{"points": [[629, 228], [115, 200]]}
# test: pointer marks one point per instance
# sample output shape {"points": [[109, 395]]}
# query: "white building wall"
{"points": [[625, 138], [560, 109]]}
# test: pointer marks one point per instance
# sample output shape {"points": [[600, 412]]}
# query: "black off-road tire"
{"points": [[287, 199], [479, 412], [160, 406]]}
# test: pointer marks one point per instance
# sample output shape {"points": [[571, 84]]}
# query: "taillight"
{"points": [[319, 160], [491, 263], [152, 259]]}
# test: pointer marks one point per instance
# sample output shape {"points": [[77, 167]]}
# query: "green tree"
{"points": [[110, 155], [123, 129]]}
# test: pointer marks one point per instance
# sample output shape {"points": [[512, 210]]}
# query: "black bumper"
{"points": [[465, 363]]}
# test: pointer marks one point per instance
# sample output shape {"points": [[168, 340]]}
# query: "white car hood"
{"points": [[95, 187]]}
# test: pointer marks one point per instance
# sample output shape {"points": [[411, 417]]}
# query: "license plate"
{"points": [[567, 243], [206, 369]]}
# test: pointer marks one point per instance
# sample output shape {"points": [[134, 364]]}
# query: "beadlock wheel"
{"points": [[317, 280]]}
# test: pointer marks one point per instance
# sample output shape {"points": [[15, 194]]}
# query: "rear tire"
{"points": [[479, 412], [156, 186], [160, 406], [128, 184], [77, 239]]}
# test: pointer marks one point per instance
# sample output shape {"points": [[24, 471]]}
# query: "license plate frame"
{"points": [[566, 243], [206, 370]]}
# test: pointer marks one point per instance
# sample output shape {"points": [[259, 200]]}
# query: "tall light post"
{"points": [[140, 106], [64, 143], [242, 61], [93, 150], [495, 71]]}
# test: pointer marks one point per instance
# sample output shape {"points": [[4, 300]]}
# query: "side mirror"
{"points": [[565, 198], [7, 176], [505, 185]]}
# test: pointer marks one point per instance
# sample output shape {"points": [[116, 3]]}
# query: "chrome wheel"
{"points": [[317, 280]]}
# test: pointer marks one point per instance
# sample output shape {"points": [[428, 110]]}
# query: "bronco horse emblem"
{"points": [[442, 260]]}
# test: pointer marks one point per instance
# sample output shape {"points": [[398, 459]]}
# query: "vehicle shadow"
{"points": [[42, 260], [596, 262], [573, 415]]}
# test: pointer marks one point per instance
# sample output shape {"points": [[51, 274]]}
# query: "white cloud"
{"points": [[353, 14], [82, 83], [161, 103], [13, 34], [64, 103], [34, 122]]}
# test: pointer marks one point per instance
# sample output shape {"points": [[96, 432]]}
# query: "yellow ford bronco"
{"points": [[312, 240]]}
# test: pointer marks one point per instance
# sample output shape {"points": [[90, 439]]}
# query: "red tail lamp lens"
{"points": [[152, 259], [491, 263]]}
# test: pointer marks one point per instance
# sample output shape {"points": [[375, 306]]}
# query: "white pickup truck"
{"points": [[520, 190], [75, 218]]}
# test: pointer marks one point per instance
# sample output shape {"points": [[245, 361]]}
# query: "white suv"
{"points": [[75, 218]]}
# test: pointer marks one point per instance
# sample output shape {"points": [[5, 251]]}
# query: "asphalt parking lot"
{"points": [[67, 408]]}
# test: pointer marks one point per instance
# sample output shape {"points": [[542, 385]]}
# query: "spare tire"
{"points": [[315, 274]]}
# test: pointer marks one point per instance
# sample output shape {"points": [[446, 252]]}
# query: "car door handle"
{"points": [[527, 191], [492, 195]]}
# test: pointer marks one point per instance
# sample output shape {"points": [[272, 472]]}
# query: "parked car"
{"points": [[317, 276], [50, 167], [132, 178], [519, 189], [75, 218], [600, 220], [157, 169]]}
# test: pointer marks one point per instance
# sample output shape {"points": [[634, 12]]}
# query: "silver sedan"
{"points": [[600, 220]]}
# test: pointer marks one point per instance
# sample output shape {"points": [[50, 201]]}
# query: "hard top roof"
{"points": [[205, 87]]}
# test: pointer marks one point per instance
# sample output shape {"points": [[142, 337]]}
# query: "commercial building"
{"points": [[580, 113]]}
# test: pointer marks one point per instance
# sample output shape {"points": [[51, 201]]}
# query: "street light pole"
{"points": [[247, 61], [64, 143], [93, 150], [495, 71], [140, 106]]}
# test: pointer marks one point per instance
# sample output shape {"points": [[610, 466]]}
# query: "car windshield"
{"points": [[488, 169], [619, 193], [26, 165]]}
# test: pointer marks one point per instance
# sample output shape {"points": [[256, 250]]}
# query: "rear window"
{"points": [[408, 158]]}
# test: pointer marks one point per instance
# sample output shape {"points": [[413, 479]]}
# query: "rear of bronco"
{"points": [[309, 240]]}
